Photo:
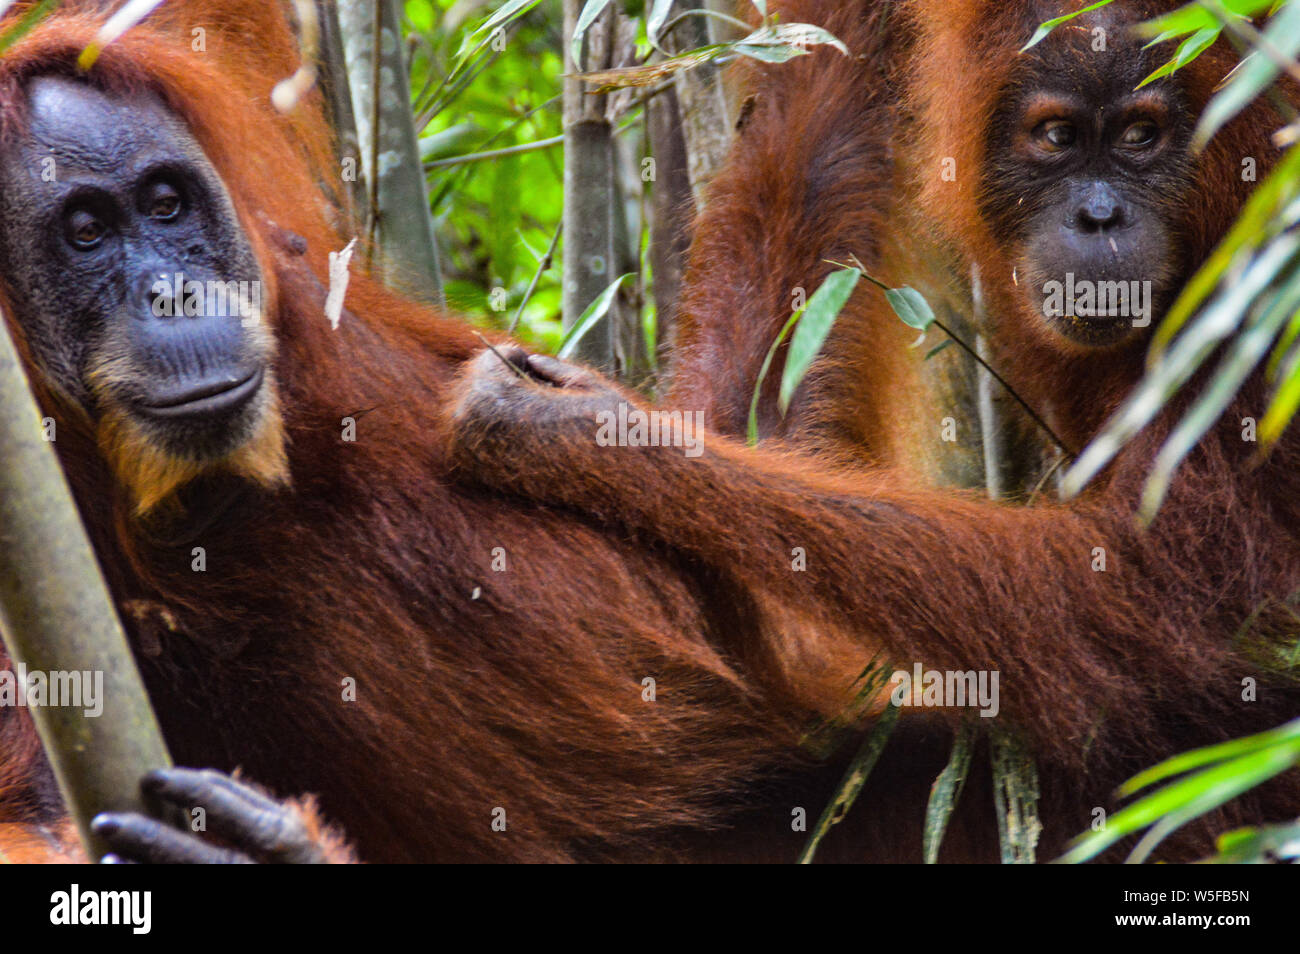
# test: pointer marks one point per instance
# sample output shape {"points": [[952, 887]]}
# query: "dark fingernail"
{"points": [[104, 825]]}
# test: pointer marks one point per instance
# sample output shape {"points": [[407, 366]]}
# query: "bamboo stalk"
{"points": [[56, 616]]}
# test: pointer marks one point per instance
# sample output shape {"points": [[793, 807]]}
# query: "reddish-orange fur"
{"points": [[529, 696], [475, 689], [840, 157], [1106, 672]]}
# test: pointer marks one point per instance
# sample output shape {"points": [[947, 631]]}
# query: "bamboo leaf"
{"points": [[1207, 791], [1252, 845], [589, 319], [1185, 799], [1245, 354], [1195, 16], [810, 334], [590, 11], [1049, 25], [1188, 50], [1281, 409], [656, 19], [784, 41], [26, 23], [910, 305], [1250, 229], [938, 349], [751, 435], [1288, 734], [1178, 364], [504, 14], [1282, 32]]}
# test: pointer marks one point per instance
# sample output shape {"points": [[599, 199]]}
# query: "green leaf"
{"points": [[1245, 354], [1196, 16], [504, 14], [1161, 38], [910, 305], [937, 349], [1182, 801], [586, 18], [1288, 734], [1283, 33], [1250, 229], [1281, 409], [656, 20], [1231, 768], [1188, 50], [1179, 363], [783, 41], [1049, 25], [751, 434], [452, 141], [594, 312], [1281, 364], [769, 54], [26, 23], [818, 319], [1257, 845], [1206, 791]]}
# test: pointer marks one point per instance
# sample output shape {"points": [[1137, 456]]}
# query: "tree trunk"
{"points": [[672, 211], [589, 187], [707, 119], [350, 195], [399, 223]]}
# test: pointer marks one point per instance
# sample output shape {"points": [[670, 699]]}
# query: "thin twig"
{"points": [[980, 361], [375, 77], [495, 153], [1042, 481], [1246, 31], [741, 25], [542, 267], [504, 360], [1010, 390]]}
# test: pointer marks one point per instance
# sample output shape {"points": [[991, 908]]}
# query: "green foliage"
{"points": [[1280, 843], [771, 42], [1200, 25], [1210, 777], [26, 23], [813, 328], [814, 322], [476, 90], [911, 307], [487, 80], [1244, 303], [1047, 27], [591, 316]]}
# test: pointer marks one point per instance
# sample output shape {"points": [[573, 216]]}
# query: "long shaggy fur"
{"points": [[841, 156], [475, 690]]}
